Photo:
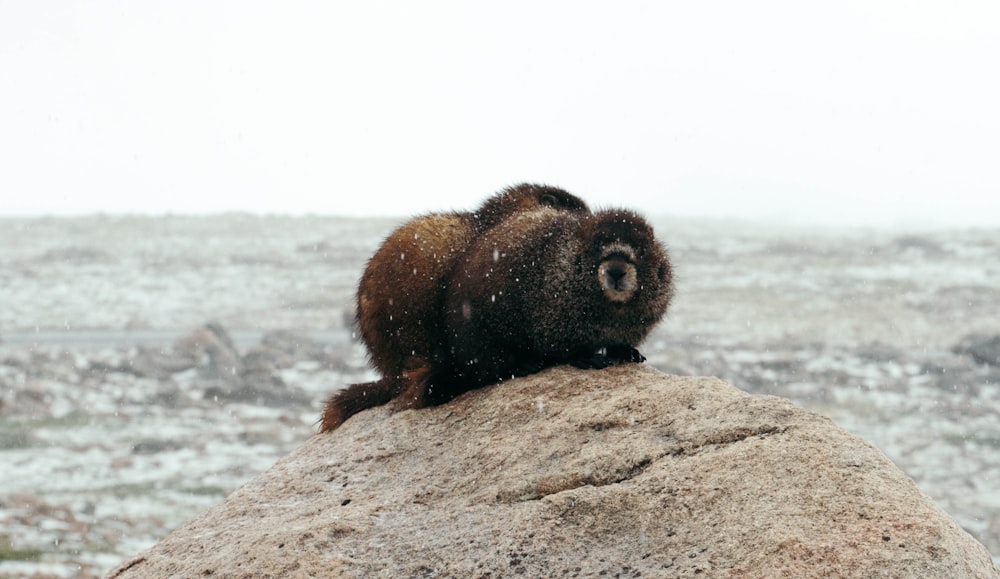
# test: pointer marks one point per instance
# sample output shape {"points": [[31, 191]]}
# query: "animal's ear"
{"points": [[548, 200]]}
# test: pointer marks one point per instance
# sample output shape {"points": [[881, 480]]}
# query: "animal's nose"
{"points": [[617, 272], [618, 279]]}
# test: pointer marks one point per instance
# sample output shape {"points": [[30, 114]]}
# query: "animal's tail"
{"points": [[411, 390], [358, 397]]}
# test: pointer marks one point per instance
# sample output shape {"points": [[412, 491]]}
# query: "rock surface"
{"points": [[623, 472]]}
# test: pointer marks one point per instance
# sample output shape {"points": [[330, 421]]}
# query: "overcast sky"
{"points": [[868, 112]]}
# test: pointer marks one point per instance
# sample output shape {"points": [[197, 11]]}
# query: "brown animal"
{"points": [[546, 288], [401, 293]]}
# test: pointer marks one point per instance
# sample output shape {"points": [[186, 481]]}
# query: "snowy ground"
{"points": [[122, 414]]}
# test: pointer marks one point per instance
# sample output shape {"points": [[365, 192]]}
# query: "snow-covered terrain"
{"points": [[149, 366]]}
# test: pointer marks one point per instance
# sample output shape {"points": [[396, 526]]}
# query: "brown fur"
{"points": [[401, 296], [547, 288]]}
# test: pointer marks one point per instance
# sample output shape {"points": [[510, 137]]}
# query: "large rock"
{"points": [[622, 472]]}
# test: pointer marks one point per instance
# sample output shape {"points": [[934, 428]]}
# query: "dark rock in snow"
{"points": [[880, 352], [153, 446], [281, 349], [78, 255], [983, 349], [212, 350], [259, 389]]}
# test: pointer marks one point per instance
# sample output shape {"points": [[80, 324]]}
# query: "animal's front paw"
{"points": [[609, 356], [527, 367], [625, 354], [595, 362]]}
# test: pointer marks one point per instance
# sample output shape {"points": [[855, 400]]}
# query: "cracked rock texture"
{"points": [[624, 472]]}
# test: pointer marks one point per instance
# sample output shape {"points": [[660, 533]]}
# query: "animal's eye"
{"points": [[548, 199]]}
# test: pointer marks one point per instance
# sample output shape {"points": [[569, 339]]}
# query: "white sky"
{"points": [[867, 112]]}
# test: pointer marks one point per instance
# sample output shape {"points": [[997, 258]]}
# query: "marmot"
{"points": [[546, 288], [401, 294]]}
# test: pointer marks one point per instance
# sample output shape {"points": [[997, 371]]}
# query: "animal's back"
{"points": [[399, 297]]}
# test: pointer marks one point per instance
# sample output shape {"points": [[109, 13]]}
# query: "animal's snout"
{"points": [[618, 279], [616, 272]]}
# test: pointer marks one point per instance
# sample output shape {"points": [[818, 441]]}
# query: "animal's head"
{"points": [[625, 259]]}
